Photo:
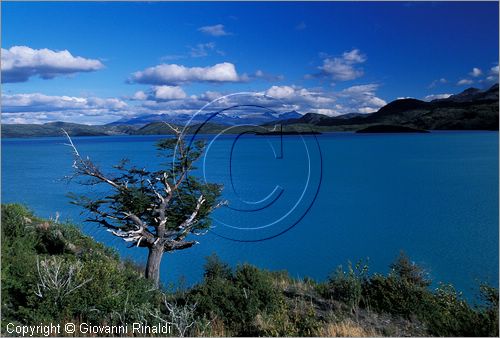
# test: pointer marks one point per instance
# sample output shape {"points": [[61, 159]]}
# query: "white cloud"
{"points": [[280, 98], [160, 93], [163, 99], [42, 102], [280, 92], [215, 30], [463, 82], [343, 68], [140, 95], [260, 74], [476, 72], [437, 82], [493, 77], [361, 89], [355, 99], [169, 92], [172, 74], [202, 49], [19, 63], [354, 56], [436, 97], [39, 108], [362, 98]]}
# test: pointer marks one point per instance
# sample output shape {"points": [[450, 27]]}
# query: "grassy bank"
{"points": [[52, 273]]}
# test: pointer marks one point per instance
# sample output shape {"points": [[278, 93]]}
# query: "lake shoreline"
{"points": [[305, 133]]}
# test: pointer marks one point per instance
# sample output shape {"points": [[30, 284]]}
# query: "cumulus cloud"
{"points": [[300, 98], [165, 99], [204, 49], [215, 30], [436, 97], [493, 74], [280, 98], [464, 82], [355, 99], [343, 68], [280, 92], [438, 82], [476, 72], [169, 92], [19, 63], [362, 98], [173, 74], [38, 108], [140, 95], [201, 49], [42, 102], [354, 56], [260, 74], [161, 93]]}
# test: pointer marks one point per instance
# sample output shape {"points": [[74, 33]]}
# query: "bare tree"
{"points": [[156, 210]]}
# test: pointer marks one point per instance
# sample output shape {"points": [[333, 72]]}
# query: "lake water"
{"points": [[321, 201]]}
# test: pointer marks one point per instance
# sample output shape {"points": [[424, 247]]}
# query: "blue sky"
{"points": [[97, 62]]}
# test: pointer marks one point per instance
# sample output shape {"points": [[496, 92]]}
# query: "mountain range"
{"points": [[221, 118], [471, 109]]}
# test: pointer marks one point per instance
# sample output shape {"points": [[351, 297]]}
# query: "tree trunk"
{"points": [[153, 264]]}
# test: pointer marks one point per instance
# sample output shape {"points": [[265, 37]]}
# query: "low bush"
{"points": [[346, 286], [51, 272], [405, 292], [237, 297]]}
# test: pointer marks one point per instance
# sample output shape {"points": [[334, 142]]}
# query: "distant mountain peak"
{"points": [[473, 94], [469, 91], [223, 118]]}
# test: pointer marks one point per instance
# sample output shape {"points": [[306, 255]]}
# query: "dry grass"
{"points": [[345, 329], [281, 280]]}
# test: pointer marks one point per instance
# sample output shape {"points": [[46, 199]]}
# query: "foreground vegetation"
{"points": [[51, 272]]}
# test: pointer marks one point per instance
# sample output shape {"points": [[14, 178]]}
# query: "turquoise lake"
{"points": [[306, 205]]}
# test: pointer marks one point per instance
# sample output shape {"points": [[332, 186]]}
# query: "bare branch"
{"points": [[176, 130], [182, 317], [57, 279], [86, 167], [185, 227]]}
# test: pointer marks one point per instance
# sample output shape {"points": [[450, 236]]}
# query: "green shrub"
{"points": [[32, 251], [346, 286], [448, 314], [403, 292], [215, 268], [243, 301], [237, 297], [444, 312], [392, 295], [409, 272]]}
